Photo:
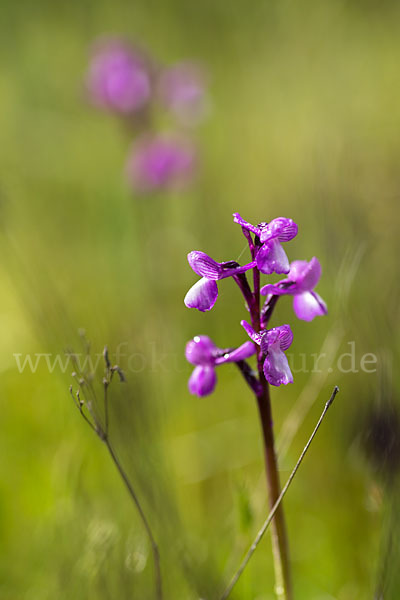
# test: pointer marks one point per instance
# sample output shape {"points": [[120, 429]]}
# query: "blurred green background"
{"points": [[305, 123]]}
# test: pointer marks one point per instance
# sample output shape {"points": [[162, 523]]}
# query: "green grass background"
{"points": [[305, 123]]}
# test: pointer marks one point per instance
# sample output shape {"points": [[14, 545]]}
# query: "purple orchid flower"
{"points": [[300, 283], [203, 294], [271, 257], [273, 342], [182, 91], [205, 356], [119, 77], [161, 162]]}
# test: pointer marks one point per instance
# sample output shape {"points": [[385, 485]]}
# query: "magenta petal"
{"points": [[204, 265], [271, 258], [309, 305], [200, 350], [305, 274], [275, 290], [276, 367], [238, 219], [281, 228], [202, 381], [244, 351], [282, 335], [202, 295], [256, 337]]}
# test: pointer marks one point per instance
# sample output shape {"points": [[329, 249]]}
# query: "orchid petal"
{"points": [[238, 219], [271, 258], [281, 228], [276, 366], [237, 270], [275, 290], [256, 337], [204, 265], [202, 295], [202, 381], [282, 335], [200, 350], [305, 274], [244, 351], [309, 305]]}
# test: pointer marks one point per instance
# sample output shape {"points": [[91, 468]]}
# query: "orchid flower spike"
{"points": [[300, 283], [273, 343], [271, 257], [205, 355], [203, 294]]}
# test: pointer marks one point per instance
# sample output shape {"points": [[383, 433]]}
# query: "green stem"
{"points": [[154, 547]]}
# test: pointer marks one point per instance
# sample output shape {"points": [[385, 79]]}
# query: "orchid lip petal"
{"points": [[202, 295], [203, 380], [309, 305], [271, 258], [276, 367], [321, 302]]}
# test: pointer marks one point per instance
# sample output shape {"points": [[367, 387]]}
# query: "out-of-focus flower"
{"points": [[300, 283], [182, 90], [271, 257], [273, 342], [161, 162], [205, 356], [119, 77], [203, 294]]}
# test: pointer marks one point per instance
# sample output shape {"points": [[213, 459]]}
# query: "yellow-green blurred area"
{"points": [[305, 123]]}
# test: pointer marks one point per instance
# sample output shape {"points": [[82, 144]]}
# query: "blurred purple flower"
{"points": [[273, 342], [300, 283], [182, 91], [271, 257], [203, 294], [119, 77], [205, 356], [161, 162]]}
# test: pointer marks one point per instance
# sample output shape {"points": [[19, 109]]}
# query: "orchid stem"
{"points": [[280, 547], [277, 504]]}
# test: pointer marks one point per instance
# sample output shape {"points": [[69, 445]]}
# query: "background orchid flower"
{"points": [[160, 162], [273, 343], [271, 257], [300, 283], [119, 77], [205, 355], [203, 294]]}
